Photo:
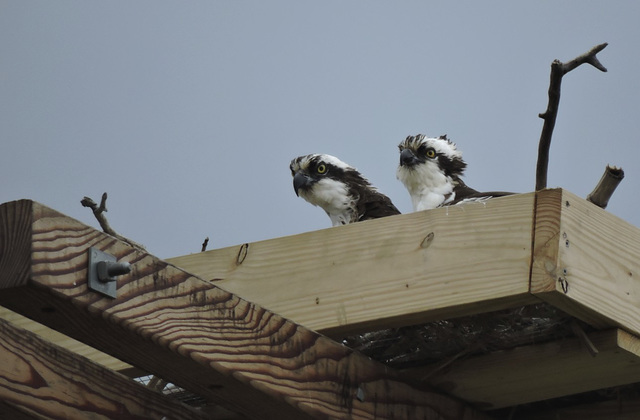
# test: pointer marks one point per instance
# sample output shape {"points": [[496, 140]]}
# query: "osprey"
{"points": [[431, 170], [339, 189]]}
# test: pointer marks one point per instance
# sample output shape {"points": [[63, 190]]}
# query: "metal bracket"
{"points": [[102, 272]]}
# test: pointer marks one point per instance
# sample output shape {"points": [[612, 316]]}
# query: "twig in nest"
{"points": [[584, 338], [98, 212], [156, 383], [444, 363], [558, 69], [606, 186], [205, 243]]}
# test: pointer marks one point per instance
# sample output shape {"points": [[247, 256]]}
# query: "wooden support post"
{"points": [[41, 380], [194, 334], [395, 271]]}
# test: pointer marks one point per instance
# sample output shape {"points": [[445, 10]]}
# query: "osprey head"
{"points": [[430, 169], [338, 188]]}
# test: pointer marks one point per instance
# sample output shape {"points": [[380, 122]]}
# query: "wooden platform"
{"points": [[251, 322]]}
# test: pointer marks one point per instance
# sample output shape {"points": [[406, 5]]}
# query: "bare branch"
{"points": [[98, 212], [558, 69], [588, 58], [549, 117], [601, 194]]}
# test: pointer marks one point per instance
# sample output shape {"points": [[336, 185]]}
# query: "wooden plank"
{"points": [[41, 380], [68, 343], [586, 261], [15, 243], [407, 269], [619, 409], [539, 372], [192, 333]]}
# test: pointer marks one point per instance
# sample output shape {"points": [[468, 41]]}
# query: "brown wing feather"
{"points": [[463, 192], [374, 206]]}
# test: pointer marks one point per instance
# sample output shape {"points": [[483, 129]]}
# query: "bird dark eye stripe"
{"points": [[340, 190], [427, 151]]}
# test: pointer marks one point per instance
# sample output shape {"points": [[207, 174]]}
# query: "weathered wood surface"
{"points": [[8, 411], [586, 261], [43, 381], [598, 286], [68, 343], [403, 270], [539, 372], [194, 334]]}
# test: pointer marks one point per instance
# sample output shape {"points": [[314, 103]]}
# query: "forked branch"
{"points": [[98, 212], [558, 69]]}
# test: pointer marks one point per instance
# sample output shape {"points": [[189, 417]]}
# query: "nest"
{"points": [[440, 341]]}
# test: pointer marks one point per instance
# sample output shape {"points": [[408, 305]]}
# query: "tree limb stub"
{"points": [[558, 69], [601, 194], [205, 243]]}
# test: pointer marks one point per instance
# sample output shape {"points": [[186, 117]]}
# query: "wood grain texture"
{"points": [[402, 270], [600, 254], [539, 372], [68, 343], [546, 237], [8, 411], [15, 241], [207, 340], [44, 381], [589, 266]]}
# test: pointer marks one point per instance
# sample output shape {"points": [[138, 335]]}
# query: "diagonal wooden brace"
{"points": [[194, 334]]}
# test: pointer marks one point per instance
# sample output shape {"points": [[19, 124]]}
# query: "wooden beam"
{"points": [[8, 411], [192, 333], [539, 372], [586, 261], [402, 270], [44, 381], [260, 274], [619, 409], [69, 343]]}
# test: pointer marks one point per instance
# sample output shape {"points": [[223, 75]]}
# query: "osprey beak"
{"points": [[407, 158], [300, 180]]}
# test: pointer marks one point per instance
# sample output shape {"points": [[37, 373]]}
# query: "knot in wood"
{"points": [[564, 284], [242, 253], [427, 240]]}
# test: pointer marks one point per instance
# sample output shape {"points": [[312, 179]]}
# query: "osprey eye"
{"points": [[321, 168], [430, 152]]}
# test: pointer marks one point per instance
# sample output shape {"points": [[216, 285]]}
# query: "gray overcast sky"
{"points": [[188, 113]]}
